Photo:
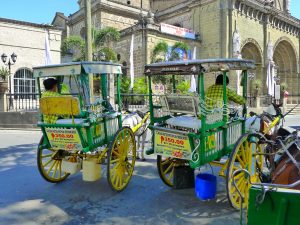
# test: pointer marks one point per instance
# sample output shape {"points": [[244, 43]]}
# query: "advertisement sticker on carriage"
{"points": [[172, 145], [66, 139]]}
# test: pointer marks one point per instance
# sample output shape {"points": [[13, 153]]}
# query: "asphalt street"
{"points": [[292, 121], [25, 198]]}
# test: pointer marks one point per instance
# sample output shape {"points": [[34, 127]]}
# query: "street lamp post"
{"points": [[11, 61]]}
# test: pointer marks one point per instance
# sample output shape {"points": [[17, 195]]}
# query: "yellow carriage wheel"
{"points": [[242, 157], [166, 167], [121, 159], [49, 164]]}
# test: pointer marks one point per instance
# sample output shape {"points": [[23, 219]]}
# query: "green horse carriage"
{"points": [[189, 132], [88, 131]]}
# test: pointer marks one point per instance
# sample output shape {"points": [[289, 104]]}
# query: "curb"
{"points": [[20, 129]]}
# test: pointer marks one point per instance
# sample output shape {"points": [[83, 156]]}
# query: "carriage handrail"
{"points": [[263, 185]]}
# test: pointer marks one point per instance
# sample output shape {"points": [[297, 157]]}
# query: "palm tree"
{"points": [[106, 35], [159, 52], [102, 43], [103, 40], [174, 52]]}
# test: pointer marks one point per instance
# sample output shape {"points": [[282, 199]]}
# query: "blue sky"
{"points": [[36, 11], [43, 11], [295, 8]]}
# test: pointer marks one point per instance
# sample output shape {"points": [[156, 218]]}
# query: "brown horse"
{"points": [[287, 167]]}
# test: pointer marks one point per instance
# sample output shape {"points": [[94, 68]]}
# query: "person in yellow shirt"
{"points": [[51, 87], [214, 94]]}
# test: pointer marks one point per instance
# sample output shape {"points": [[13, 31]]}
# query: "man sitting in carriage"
{"points": [[51, 87], [214, 94]]}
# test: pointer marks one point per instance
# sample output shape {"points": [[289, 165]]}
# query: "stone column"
{"points": [[3, 102], [3, 91]]}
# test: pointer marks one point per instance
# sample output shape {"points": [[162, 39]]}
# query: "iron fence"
{"points": [[130, 101], [134, 101], [22, 102]]}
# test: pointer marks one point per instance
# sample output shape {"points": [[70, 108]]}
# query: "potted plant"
{"points": [[283, 86], [4, 73]]}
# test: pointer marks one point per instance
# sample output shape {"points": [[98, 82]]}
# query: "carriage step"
{"points": [[150, 151]]}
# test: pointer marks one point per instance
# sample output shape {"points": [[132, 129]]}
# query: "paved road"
{"points": [[25, 198], [293, 121]]}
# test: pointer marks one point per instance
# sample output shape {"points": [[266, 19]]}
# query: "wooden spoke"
{"points": [[47, 163], [121, 160], [166, 168], [171, 174], [170, 167], [165, 161], [115, 160], [49, 168], [55, 169], [241, 158], [47, 155]]}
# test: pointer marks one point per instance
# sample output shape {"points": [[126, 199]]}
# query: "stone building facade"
{"points": [[27, 41], [259, 26], [260, 30], [128, 17]]}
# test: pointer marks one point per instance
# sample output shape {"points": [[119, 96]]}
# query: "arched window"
{"points": [[24, 82]]}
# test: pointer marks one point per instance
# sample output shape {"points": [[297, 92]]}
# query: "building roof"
{"points": [[48, 26]]}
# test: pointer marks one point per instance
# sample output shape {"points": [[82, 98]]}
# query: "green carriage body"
{"points": [[211, 140], [88, 131], [98, 125], [278, 206]]}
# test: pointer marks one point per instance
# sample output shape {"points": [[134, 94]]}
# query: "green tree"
{"points": [[183, 86], [102, 43], [159, 52], [125, 85], [283, 86], [74, 45], [140, 85], [103, 40], [4, 72], [106, 35]]}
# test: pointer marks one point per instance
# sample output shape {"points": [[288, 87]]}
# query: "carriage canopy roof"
{"points": [[190, 67], [76, 68]]}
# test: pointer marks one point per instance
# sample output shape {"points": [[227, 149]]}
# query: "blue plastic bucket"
{"points": [[205, 186]]}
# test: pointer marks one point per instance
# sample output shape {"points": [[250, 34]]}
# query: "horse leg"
{"points": [[138, 147], [144, 136]]}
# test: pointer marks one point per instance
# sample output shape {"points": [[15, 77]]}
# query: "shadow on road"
{"points": [[26, 198]]}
